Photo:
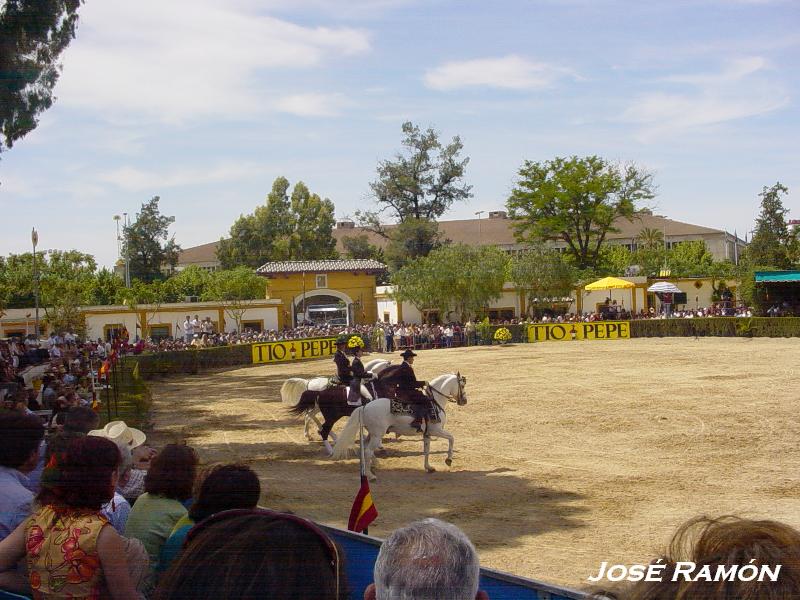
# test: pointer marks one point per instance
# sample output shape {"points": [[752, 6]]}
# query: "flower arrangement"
{"points": [[502, 335], [355, 341]]}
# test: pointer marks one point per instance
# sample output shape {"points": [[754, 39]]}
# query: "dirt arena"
{"points": [[567, 453]]}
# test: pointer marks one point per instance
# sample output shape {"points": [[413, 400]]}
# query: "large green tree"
{"points": [[233, 289], [457, 280], [772, 245], [299, 227], [147, 244], [33, 34], [576, 200], [411, 239], [543, 275], [421, 183]]}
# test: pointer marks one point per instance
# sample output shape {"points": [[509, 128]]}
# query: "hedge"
{"points": [[718, 327], [190, 361]]}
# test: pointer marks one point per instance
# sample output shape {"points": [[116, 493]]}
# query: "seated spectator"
{"points": [[426, 560], [20, 438], [225, 487], [83, 563], [725, 542], [119, 432], [256, 554], [118, 509], [168, 485]]}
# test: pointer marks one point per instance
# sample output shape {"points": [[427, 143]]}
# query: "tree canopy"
{"points": [[422, 182], [457, 280], [576, 200], [299, 227], [233, 288], [147, 243], [543, 275], [33, 34], [772, 245]]}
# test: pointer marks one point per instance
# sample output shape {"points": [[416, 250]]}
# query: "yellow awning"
{"points": [[609, 283]]}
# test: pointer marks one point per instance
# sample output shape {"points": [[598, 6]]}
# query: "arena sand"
{"points": [[567, 454]]}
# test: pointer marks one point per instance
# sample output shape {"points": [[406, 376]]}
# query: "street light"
{"points": [[127, 262], [478, 214], [35, 241]]}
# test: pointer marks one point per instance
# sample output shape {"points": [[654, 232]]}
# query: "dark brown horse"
{"points": [[332, 403]]}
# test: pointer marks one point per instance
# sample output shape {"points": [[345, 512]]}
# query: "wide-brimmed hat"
{"points": [[118, 432], [408, 353], [342, 339]]}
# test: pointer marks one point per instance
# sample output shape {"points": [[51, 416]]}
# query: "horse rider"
{"points": [[408, 389], [344, 372], [359, 374]]}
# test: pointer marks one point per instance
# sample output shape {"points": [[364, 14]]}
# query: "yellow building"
{"points": [[341, 292]]}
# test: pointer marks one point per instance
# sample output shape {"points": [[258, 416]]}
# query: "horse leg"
{"points": [[426, 445], [449, 437], [369, 455], [324, 431]]}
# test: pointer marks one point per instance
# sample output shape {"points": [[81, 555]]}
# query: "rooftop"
{"points": [[321, 266]]}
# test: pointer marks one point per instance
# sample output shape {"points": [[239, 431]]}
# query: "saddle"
{"points": [[398, 407]]}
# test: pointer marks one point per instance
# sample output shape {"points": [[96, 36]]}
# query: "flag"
{"points": [[363, 512], [135, 372], [103, 370]]}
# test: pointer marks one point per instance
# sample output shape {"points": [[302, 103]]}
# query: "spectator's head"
{"points": [[20, 437], [256, 554], [82, 476], [81, 419], [726, 541], [225, 487], [426, 560], [172, 473]]}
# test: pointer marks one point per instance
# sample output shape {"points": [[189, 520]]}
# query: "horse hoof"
{"points": [[431, 470], [380, 452], [328, 448], [448, 461], [372, 478]]}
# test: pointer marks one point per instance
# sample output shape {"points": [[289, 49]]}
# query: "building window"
{"points": [[322, 281], [112, 331], [386, 317], [253, 325], [159, 332]]}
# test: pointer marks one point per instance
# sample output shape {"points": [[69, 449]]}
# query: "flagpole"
{"points": [[363, 469]]}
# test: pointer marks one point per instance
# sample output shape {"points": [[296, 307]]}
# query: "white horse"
{"points": [[378, 419], [293, 387]]}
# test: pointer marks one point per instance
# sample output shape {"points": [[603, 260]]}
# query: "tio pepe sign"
{"points": [[566, 332], [289, 350]]}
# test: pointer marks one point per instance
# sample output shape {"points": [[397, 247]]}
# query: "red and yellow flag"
{"points": [[102, 372], [363, 512]]}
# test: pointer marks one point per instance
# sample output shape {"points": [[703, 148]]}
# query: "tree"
{"points": [[576, 200], [105, 288], [411, 239], [191, 281], [33, 34], [145, 298], [458, 277], [690, 259], [772, 244], [359, 246], [147, 243], [233, 289], [421, 183], [543, 275], [282, 229], [650, 238]]}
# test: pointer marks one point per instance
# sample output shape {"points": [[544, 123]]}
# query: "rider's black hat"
{"points": [[408, 353], [342, 339]]}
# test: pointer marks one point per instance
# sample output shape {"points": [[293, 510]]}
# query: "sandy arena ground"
{"points": [[567, 454]]}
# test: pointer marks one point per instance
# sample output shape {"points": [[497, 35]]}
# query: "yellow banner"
{"points": [[289, 350], [597, 330]]}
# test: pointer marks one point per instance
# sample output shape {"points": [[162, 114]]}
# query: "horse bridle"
{"points": [[457, 398]]}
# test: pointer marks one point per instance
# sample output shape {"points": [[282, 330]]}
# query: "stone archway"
{"points": [[323, 305]]}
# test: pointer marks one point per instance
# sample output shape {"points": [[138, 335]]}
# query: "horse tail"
{"points": [[308, 399], [347, 435], [292, 389]]}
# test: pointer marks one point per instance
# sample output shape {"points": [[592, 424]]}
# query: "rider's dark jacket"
{"points": [[407, 384], [343, 370], [358, 371]]}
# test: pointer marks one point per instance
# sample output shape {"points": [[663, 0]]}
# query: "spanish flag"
{"points": [[363, 512], [102, 372]]}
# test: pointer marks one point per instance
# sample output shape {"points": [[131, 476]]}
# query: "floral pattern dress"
{"points": [[61, 549]]}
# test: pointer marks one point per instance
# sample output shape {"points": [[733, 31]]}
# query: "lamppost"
{"points": [[478, 214], [35, 241], [127, 262]]}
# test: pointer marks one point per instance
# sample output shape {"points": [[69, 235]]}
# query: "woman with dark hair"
{"points": [[250, 554], [225, 487], [71, 549], [168, 486]]}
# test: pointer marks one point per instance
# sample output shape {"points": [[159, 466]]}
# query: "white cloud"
{"points": [[312, 105], [188, 59], [737, 91], [134, 179], [510, 72]]}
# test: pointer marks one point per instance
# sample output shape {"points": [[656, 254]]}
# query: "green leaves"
{"points": [[575, 200], [773, 245], [147, 243], [543, 274]]}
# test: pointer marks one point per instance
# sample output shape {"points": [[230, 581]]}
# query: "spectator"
{"points": [[118, 509], [426, 560], [118, 431], [70, 549], [725, 542], [256, 554], [225, 487], [81, 419], [168, 485]]}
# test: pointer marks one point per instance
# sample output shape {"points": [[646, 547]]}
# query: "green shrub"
{"points": [[718, 327]]}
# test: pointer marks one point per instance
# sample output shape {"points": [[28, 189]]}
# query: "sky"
{"points": [[205, 102]]}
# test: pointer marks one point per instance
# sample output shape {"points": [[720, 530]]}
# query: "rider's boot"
{"points": [[417, 424]]}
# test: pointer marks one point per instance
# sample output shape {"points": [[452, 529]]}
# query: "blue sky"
{"points": [[206, 102]]}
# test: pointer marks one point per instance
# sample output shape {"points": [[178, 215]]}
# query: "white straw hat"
{"points": [[120, 433]]}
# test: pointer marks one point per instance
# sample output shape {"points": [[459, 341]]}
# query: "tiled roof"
{"points": [[198, 254], [321, 266]]}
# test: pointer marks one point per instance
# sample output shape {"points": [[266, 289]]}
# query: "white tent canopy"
{"points": [[664, 287]]}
